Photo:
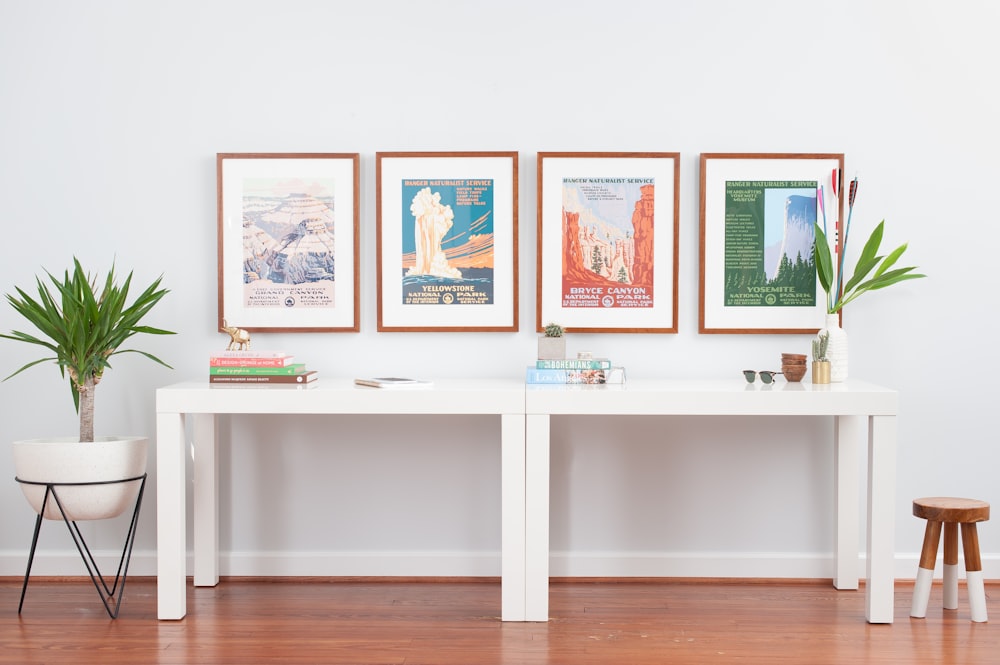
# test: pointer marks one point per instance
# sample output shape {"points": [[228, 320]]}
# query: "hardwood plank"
{"points": [[457, 622]]}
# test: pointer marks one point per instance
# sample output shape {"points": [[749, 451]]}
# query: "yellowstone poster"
{"points": [[447, 242]]}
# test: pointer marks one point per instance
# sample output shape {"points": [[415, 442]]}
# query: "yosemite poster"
{"points": [[768, 243]]}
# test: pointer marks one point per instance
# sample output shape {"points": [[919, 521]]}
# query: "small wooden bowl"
{"points": [[793, 373]]}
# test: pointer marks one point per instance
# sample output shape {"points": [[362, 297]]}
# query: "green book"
{"points": [[297, 368]]}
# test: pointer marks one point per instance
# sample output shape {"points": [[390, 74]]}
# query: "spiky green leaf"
{"points": [[84, 322]]}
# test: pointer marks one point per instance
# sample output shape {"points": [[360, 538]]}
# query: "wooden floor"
{"points": [[456, 622]]}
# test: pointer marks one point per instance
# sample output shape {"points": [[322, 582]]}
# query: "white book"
{"points": [[392, 382], [248, 353]]}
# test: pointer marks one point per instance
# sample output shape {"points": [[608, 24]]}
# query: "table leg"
{"points": [[512, 517], [206, 501], [880, 577], [537, 522], [171, 530], [847, 435]]}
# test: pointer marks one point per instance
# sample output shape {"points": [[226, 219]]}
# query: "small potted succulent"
{"points": [[552, 345], [821, 364]]}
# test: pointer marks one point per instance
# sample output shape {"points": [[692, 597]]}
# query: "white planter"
{"points": [[65, 460], [551, 348]]}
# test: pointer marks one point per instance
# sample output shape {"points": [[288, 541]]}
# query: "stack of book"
{"points": [[579, 370], [258, 367]]}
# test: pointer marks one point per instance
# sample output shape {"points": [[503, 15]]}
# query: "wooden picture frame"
{"points": [[608, 226], [756, 272], [446, 241], [288, 241]]}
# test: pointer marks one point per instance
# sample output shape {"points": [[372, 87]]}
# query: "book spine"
{"points": [[246, 361], [565, 376], [304, 377], [297, 368], [593, 363]]}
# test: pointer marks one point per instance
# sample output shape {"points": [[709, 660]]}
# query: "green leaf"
{"points": [[824, 263], [892, 277], [860, 272], [891, 259], [871, 247]]}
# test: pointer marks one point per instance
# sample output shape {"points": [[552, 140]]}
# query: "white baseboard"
{"points": [[362, 564], [777, 565], [690, 564], [794, 565], [274, 564]]}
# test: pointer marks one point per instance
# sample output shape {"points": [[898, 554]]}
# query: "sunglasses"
{"points": [[765, 377]]}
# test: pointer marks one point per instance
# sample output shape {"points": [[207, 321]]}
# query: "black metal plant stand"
{"points": [[113, 593]]}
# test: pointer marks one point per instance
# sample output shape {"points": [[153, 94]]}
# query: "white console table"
{"points": [[858, 409], [202, 402]]}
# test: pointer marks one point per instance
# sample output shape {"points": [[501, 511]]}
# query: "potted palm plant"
{"points": [[82, 323]]}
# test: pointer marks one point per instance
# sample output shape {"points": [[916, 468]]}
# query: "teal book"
{"points": [[574, 363]]}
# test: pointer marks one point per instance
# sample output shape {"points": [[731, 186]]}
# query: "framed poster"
{"points": [[446, 241], [607, 241], [758, 211], [288, 241]]}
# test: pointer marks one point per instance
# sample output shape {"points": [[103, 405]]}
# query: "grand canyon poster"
{"points": [[288, 241]]}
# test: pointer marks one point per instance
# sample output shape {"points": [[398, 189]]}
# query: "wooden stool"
{"points": [[950, 512]]}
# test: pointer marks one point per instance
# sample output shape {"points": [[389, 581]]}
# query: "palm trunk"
{"points": [[87, 410]]}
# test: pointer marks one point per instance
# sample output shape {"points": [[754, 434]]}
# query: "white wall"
{"points": [[112, 113]]}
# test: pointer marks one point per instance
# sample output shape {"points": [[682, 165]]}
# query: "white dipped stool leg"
{"points": [[950, 566], [950, 586], [925, 573], [977, 595], [974, 572], [921, 593]]}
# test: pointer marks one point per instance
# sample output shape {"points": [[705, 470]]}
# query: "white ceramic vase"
{"points": [[66, 460], [836, 351]]}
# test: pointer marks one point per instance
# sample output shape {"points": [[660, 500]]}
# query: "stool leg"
{"points": [[974, 572], [951, 566], [925, 572]]}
